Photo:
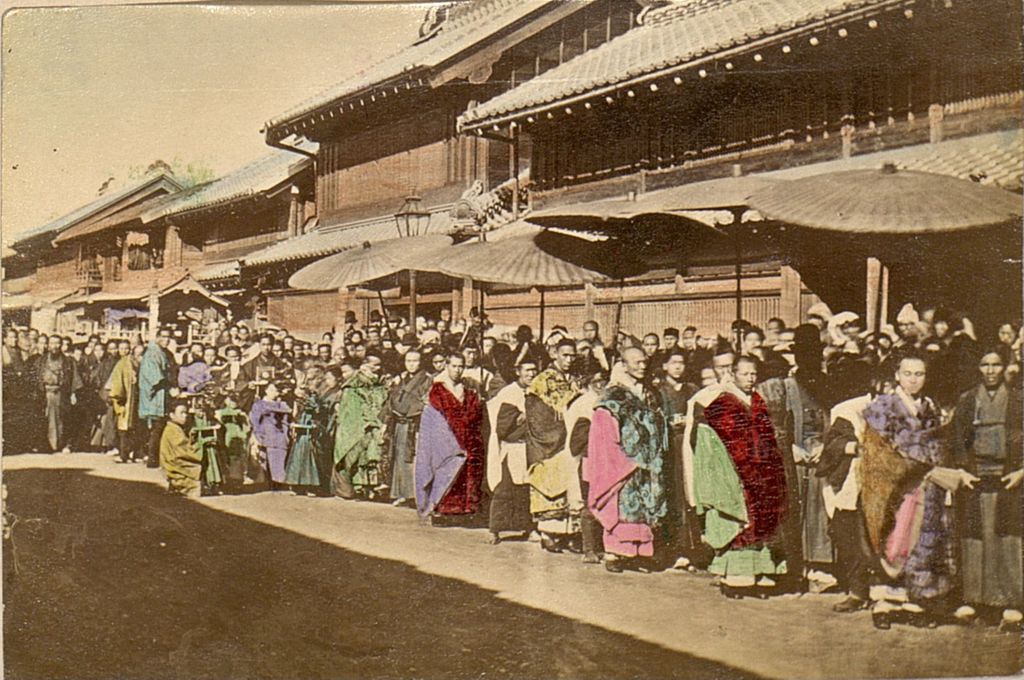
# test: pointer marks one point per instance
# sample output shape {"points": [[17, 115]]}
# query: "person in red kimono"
{"points": [[450, 451]]}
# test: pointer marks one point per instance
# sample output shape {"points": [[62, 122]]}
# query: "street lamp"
{"points": [[412, 220]]}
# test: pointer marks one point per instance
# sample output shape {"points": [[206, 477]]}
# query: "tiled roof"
{"points": [[995, 158], [76, 216], [129, 214], [328, 240], [260, 175], [473, 22], [217, 270], [672, 36]]}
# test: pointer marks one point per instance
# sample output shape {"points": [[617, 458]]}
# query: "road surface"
{"points": [[110, 576]]}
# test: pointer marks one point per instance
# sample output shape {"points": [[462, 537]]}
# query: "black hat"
{"points": [[410, 340]]}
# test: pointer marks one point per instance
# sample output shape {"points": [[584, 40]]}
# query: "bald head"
{"points": [[634, 360]]}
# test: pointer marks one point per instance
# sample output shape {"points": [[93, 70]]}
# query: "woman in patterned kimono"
{"points": [[987, 443], [903, 494]]}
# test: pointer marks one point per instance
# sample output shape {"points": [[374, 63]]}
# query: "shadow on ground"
{"points": [[117, 579]]}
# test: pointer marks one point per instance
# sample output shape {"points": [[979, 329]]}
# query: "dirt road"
{"points": [[115, 578]]}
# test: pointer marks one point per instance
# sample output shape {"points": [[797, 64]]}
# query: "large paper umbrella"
{"points": [[537, 258], [886, 201], [370, 262], [664, 207]]}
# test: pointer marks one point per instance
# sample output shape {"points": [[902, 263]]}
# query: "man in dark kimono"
{"points": [[552, 476], [57, 380], [405, 406], [799, 405], [256, 373], [506, 456], [987, 442], [450, 451], [682, 532]]}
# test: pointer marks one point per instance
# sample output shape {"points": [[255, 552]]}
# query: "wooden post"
{"points": [[589, 293], [737, 216], [513, 167], [541, 333], [873, 294], [412, 298], [467, 300], [935, 116], [790, 291], [154, 313]]}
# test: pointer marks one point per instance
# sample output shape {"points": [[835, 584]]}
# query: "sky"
{"points": [[89, 92]]}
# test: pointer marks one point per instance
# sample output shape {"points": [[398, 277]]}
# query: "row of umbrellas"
{"points": [[631, 233]]}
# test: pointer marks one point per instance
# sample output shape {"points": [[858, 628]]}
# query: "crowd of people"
{"points": [[885, 464]]}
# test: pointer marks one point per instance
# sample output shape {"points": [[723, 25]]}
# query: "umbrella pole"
{"points": [[384, 313], [412, 299], [618, 316], [737, 215], [542, 313]]}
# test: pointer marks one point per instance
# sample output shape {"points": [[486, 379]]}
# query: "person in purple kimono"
{"points": [[905, 481], [269, 418]]}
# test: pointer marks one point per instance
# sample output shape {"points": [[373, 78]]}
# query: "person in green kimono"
{"points": [[359, 439], [300, 470], [233, 444], [179, 459], [124, 396]]}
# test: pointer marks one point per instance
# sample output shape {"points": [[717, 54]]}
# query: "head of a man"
{"points": [[744, 370], [455, 365], [688, 340], [591, 332], [670, 338], [209, 355], [413, 359], [124, 348], [675, 364], [722, 363], [355, 338], [357, 352], [526, 371], [774, 326], [470, 354], [179, 414], [993, 368], [266, 346], [438, 361], [1006, 334], [911, 373], [232, 354], [564, 353], [53, 344], [288, 343], [11, 338], [753, 339], [271, 392], [487, 345], [634, 360], [651, 344], [707, 376]]}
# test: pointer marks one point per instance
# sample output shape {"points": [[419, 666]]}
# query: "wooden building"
{"points": [[708, 89], [390, 132], [159, 250]]}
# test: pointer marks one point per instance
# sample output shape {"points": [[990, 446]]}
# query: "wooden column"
{"points": [[877, 302], [589, 293], [154, 313], [465, 301], [790, 303]]}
